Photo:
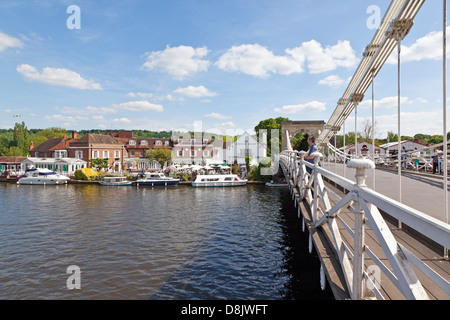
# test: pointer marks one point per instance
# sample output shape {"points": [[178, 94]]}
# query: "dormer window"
{"points": [[144, 142], [167, 143], [132, 142], [180, 141], [158, 143]]}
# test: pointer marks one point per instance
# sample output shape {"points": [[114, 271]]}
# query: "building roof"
{"points": [[12, 160], [95, 139]]}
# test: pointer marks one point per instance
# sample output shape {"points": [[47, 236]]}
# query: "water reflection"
{"points": [[153, 243]]}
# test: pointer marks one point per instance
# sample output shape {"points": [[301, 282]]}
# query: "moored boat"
{"points": [[38, 176], [221, 180], [156, 179], [115, 181]]}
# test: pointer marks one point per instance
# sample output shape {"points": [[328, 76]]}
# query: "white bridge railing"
{"points": [[366, 205]]}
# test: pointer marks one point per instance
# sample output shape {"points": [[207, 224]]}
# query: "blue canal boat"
{"points": [[156, 179]]}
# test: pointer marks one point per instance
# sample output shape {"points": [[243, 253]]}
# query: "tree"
{"points": [[269, 125], [21, 140], [300, 142], [99, 164], [160, 155], [367, 130]]}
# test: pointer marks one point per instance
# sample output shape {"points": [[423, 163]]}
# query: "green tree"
{"points": [[21, 140], [300, 142], [160, 155], [99, 164], [269, 125]]}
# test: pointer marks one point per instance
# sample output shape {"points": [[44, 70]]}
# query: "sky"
{"points": [[221, 66]]}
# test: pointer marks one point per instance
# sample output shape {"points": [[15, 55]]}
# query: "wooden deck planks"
{"points": [[323, 243]]}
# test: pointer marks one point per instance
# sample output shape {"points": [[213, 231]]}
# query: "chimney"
{"points": [[74, 135], [32, 145]]}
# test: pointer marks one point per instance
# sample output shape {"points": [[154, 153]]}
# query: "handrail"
{"points": [[366, 205]]}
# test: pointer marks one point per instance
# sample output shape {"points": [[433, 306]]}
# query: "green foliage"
{"points": [[99, 164], [86, 174], [269, 125], [161, 155], [255, 171], [300, 142]]}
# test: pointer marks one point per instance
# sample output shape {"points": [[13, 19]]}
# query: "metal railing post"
{"points": [[358, 285]]}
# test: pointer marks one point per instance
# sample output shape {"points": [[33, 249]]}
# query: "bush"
{"points": [[86, 174]]}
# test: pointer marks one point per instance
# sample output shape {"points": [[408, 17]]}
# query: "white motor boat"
{"points": [[42, 177], [156, 179], [219, 180], [115, 181]]}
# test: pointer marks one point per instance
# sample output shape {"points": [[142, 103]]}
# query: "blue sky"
{"points": [[166, 65]]}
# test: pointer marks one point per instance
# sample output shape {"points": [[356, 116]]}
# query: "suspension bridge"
{"points": [[370, 244]]}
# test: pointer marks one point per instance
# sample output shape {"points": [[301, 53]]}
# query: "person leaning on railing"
{"points": [[312, 149]]}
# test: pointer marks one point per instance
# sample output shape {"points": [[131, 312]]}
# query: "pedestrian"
{"points": [[435, 163], [416, 157], [404, 157], [312, 149]]}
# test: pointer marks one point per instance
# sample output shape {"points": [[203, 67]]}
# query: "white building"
{"points": [[244, 146], [63, 166]]}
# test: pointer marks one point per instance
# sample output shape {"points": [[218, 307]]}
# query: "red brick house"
{"points": [[94, 146], [53, 148]]}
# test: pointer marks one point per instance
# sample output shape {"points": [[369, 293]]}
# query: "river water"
{"points": [[240, 243]]}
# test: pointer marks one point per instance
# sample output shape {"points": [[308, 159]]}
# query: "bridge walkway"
{"points": [[323, 240]]}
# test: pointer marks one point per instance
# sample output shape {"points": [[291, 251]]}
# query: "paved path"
{"points": [[421, 191]]}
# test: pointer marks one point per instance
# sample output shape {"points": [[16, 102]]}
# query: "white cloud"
{"points": [[321, 59], [333, 81], [86, 110], [428, 47], [122, 120], [139, 106], [312, 106], [144, 95], [65, 120], [390, 102], [195, 92], [427, 122], [258, 61], [58, 77], [216, 115], [7, 41], [180, 62]]}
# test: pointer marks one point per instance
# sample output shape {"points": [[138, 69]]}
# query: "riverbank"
{"points": [[14, 180]]}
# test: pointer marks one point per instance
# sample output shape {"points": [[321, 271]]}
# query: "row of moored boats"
{"points": [[37, 176]]}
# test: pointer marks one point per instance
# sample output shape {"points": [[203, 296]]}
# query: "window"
{"points": [[78, 154], [117, 154], [105, 154], [132, 153], [193, 153], [228, 179], [59, 154], [167, 142], [36, 154], [94, 154], [144, 142], [158, 143], [206, 153], [205, 141], [132, 142], [180, 153], [193, 141], [180, 141]]}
